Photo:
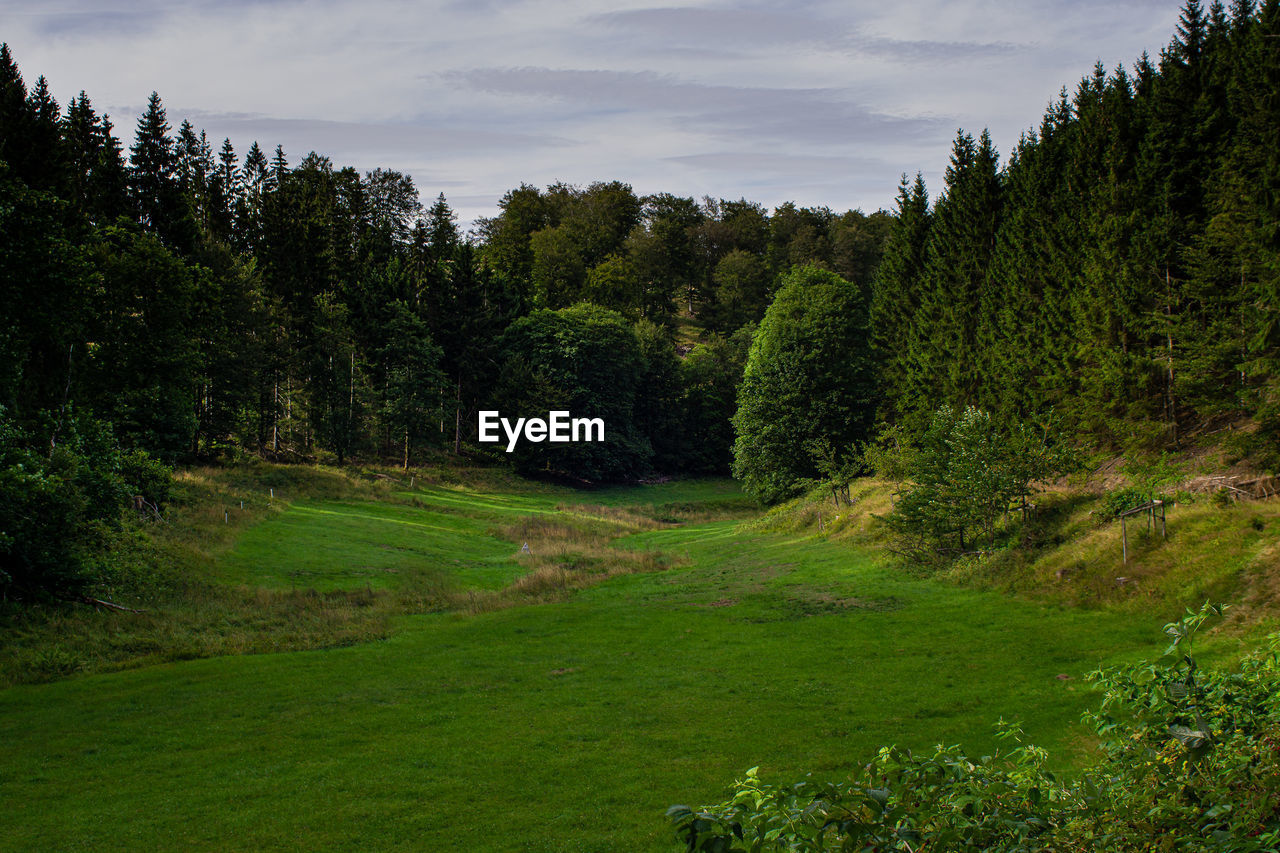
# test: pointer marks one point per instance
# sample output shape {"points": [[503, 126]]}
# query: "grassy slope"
{"points": [[1070, 554], [566, 725]]}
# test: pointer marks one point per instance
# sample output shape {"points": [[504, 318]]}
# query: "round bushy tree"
{"points": [[585, 360], [808, 382]]}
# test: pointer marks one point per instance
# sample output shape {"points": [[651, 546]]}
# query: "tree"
{"points": [[963, 475], [895, 293], [59, 506], [160, 202], [657, 416], [741, 291], [559, 272], [98, 181], [414, 380], [338, 390], [943, 348], [585, 360], [808, 378], [709, 378], [141, 373]]}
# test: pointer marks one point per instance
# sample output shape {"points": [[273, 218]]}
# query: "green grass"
{"points": [[327, 545], [567, 725]]}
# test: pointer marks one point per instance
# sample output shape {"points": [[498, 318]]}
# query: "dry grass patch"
{"points": [[567, 552], [205, 621]]}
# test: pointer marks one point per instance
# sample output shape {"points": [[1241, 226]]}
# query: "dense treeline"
{"points": [[204, 304], [1123, 269], [172, 301]]}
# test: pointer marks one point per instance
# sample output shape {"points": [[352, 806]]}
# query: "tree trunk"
{"points": [[457, 420]]}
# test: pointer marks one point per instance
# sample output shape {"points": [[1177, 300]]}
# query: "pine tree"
{"points": [[896, 293], [47, 170], [279, 169], [158, 197], [248, 220], [941, 352], [225, 192], [17, 118]]}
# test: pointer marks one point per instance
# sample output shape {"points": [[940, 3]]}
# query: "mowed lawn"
{"points": [[327, 545], [567, 726]]}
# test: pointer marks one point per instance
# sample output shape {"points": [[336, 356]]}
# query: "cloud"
{"points": [[88, 22], [380, 139], [762, 162], [777, 27], [760, 112]]}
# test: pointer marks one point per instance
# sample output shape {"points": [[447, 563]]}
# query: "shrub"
{"points": [[59, 505], [1123, 500]]}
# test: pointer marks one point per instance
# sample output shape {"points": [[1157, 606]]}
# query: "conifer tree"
{"points": [[47, 170], [18, 146], [248, 221], [158, 197], [225, 192], [896, 293], [943, 346]]}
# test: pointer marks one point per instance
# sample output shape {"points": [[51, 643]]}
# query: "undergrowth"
{"points": [[1189, 760]]}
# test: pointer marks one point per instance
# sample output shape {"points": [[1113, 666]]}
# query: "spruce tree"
{"points": [[943, 346], [159, 199], [17, 117], [896, 293]]}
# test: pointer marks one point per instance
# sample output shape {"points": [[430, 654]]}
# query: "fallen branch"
{"points": [[110, 605]]}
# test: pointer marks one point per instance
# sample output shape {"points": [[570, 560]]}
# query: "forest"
{"points": [[172, 302]]}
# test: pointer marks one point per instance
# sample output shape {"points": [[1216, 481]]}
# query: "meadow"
{"points": [[662, 647]]}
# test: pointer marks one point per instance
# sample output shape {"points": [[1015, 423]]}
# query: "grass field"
{"points": [[564, 725]]}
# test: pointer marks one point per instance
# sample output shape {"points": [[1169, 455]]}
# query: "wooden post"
{"points": [[1124, 541]]}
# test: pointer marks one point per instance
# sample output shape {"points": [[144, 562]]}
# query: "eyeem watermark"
{"points": [[558, 427]]}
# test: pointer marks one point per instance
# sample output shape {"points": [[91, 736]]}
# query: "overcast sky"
{"points": [[821, 103]]}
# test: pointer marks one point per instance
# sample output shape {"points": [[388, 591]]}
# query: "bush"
{"points": [[1123, 500], [59, 507], [1189, 760]]}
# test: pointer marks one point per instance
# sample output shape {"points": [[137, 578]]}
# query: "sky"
{"points": [[820, 103]]}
